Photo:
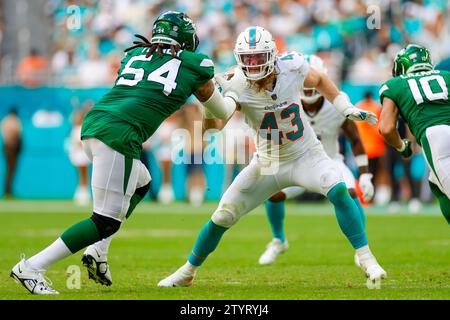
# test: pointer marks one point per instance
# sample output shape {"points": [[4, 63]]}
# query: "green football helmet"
{"points": [[175, 28], [412, 58]]}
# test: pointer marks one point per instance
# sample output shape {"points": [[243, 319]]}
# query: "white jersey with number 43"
{"points": [[282, 131]]}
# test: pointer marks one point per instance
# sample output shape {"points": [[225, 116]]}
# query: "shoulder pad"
{"points": [[291, 60]]}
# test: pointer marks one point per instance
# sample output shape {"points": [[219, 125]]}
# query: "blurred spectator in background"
{"points": [[237, 148], [94, 71], [193, 153], [65, 67], [403, 185], [161, 142], [32, 71], [360, 43], [12, 143], [375, 149], [79, 158], [146, 150]]}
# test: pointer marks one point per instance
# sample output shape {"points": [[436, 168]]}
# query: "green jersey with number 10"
{"points": [[146, 92], [422, 98]]}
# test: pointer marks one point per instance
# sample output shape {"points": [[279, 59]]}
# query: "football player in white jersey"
{"points": [[288, 151], [326, 122]]}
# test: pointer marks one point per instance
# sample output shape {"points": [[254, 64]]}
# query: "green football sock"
{"points": [[275, 213], [444, 202], [80, 235], [207, 241], [348, 215]]}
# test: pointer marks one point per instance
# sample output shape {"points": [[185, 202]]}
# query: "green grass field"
{"points": [[413, 249]]}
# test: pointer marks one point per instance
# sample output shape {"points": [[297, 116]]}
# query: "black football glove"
{"points": [[406, 151]]}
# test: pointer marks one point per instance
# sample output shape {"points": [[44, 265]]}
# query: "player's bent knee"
{"points": [[106, 226], [330, 179], [338, 194], [224, 217]]}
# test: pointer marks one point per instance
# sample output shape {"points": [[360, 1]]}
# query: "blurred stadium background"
{"points": [[58, 57]]}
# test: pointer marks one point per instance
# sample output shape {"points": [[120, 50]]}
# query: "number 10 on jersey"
{"points": [[269, 124]]}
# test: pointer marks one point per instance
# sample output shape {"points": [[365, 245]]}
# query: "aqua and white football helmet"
{"points": [[255, 52], [311, 95]]}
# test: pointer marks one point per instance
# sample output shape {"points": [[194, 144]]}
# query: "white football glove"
{"points": [[235, 86], [344, 106], [365, 183], [357, 114]]}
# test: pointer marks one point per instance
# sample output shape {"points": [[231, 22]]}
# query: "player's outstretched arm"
{"points": [[361, 159], [328, 89], [216, 105], [388, 128], [222, 106]]}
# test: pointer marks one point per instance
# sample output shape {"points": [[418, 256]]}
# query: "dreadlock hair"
{"points": [[153, 47]]}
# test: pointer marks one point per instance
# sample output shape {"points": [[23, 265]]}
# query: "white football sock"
{"points": [[103, 245], [364, 252], [53, 253], [189, 268]]}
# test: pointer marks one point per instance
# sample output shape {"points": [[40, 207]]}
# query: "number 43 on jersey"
{"points": [[269, 125]]}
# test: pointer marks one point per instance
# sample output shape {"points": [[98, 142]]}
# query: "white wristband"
{"points": [[362, 160], [342, 102], [221, 107]]}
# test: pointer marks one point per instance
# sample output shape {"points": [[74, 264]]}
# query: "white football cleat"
{"points": [[273, 249], [34, 281], [180, 278], [97, 265], [374, 272]]}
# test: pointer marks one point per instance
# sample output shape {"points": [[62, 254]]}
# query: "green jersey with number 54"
{"points": [[146, 92], [422, 98]]}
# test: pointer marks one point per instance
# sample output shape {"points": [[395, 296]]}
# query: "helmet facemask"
{"points": [[310, 95], [256, 65]]}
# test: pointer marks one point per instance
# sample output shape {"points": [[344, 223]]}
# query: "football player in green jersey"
{"points": [[155, 79], [419, 94]]}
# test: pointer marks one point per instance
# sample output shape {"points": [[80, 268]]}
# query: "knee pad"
{"points": [[106, 226], [224, 217], [330, 179]]}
